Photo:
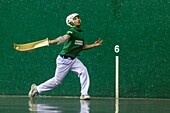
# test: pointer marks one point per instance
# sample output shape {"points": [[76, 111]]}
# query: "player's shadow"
{"points": [[42, 107]]}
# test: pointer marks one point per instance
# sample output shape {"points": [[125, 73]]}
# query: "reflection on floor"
{"points": [[11, 104]]}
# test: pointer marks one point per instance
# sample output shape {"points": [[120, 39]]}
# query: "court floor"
{"points": [[22, 104]]}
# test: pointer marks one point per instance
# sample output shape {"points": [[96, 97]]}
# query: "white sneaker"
{"points": [[84, 97], [33, 91]]}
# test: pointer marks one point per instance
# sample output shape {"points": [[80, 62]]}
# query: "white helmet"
{"points": [[69, 19]]}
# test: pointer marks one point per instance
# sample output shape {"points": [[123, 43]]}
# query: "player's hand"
{"points": [[98, 42]]}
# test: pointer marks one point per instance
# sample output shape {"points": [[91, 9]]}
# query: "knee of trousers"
{"points": [[57, 83]]}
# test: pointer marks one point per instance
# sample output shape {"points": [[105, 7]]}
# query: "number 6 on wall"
{"points": [[116, 49]]}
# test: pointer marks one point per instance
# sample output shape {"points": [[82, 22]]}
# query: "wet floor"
{"points": [[74, 105]]}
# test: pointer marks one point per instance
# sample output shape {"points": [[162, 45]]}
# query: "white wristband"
{"points": [[92, 45]]}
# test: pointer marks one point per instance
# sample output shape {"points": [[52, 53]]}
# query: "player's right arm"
{"points": [[60, 40], [95, 44]]}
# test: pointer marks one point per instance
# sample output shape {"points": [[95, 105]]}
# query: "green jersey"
{"points": [[74, 45]]}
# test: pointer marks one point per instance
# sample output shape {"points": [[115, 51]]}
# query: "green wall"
{"points": [[141, 28]]}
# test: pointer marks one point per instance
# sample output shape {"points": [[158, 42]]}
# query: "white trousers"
{"points": [[62, 68]]}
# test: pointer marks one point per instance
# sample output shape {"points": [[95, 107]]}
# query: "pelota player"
{"points": [[67, 59]]}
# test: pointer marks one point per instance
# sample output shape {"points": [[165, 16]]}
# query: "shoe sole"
{"points": [[86, 98]]}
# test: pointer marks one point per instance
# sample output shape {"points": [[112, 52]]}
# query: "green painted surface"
{"points": [[140, 28]]}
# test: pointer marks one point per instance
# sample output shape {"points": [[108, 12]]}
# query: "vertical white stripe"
{"points": [[117, 78], [116, 105]]}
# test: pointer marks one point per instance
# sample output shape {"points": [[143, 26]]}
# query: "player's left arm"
{"points": [[95, 44], [60, 40]]}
